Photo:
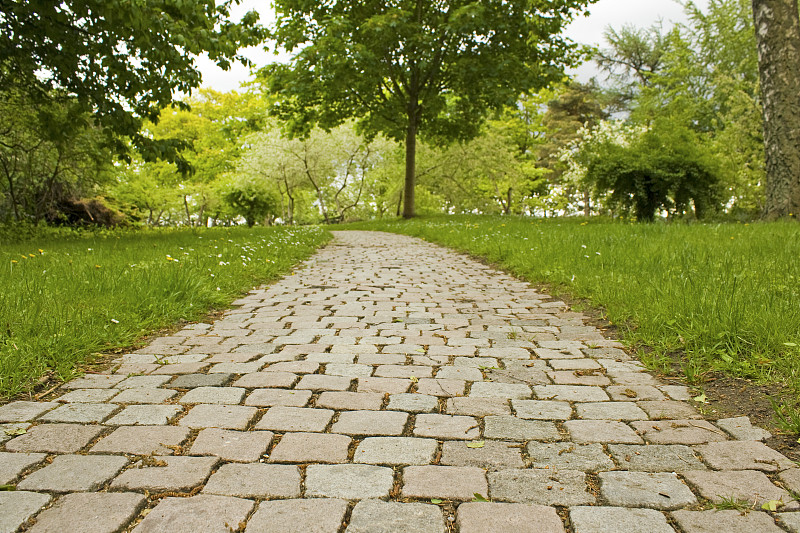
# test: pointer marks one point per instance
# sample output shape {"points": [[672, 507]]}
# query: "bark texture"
{"points": [[778, 35]]}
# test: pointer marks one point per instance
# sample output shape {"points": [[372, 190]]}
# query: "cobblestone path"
{"points": [[389, 386]]}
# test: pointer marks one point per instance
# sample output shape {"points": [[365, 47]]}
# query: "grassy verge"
{"points": [[64, 299], [710, 297]]}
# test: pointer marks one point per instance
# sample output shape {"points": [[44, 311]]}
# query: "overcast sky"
{"points": [[587, 30]]}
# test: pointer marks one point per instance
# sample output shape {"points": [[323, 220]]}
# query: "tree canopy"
{"points": [[412, 66], [118, 60]]}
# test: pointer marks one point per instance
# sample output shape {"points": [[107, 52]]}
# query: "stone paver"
{"points": [[385, 368], [618, 520], [13, 464], [311, 448], [507, 518], [229, 445], [166, 474], [143, 440], [395, 451], [69, 473], [350, 481], [655, 490], [255, 481], [444, 482], [375, 516], [17, 506], [729, 521], [298, 516], [106, 512], [206, 512]]}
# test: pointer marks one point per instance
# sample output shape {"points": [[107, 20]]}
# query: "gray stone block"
{"points": [[311, 448], [282, 418], [507, 518], [54, 438], [316, 515], [569, 456], [655, 457], [13, 464], [542, 409], [81, 413], [565, 487], [205, 512], [413, 403], [142, 440], [370, 423], [255, 480], [228, 445], [145, 415], [518, 429], [729, 521], [191, 381], [19, 506], [218, 416], [23, 411], [166, 474], [444, 482], [654, 490], [348, 481], [395, 451], [70, 473], [375, 516], [105, 512], [618, 520]]}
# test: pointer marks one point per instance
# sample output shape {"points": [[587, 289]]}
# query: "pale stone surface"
{"points": [[323, 382], [13, 464], [17, 507], [258, 380], [446, 427], [81, 413], [142, 382], [145, 415], [69, 473], [518, 429], [54, 438], [350, 400], [492, 455], [218, 416], [370, 423], [679, 431], [205, 512], [610, 411], [375, 516], [348, 481], [271, 397], [618, 520], [477, 406], [255, 481], [413, 403], [729, 521], [142, 440], [311, 448], [500, 390], [655, 457], [282, 418], [444, 482], [791, 520], [383, 385], [740, 428], [316, 515], [24, 411], [88, 395], [191, 381], [94, 381], [655, 490], [741, 485], [106, 512], [542, 409], [570, 393], [569, 456], [395, 451], [743, 455], [565, 487], [669, 410], [610, 431], [507, 518], [167, 474], [142, 395], [218, 395], [228, 445]]}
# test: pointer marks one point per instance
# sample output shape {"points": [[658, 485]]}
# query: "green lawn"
{"points": [[708, 296], [64, 298]]}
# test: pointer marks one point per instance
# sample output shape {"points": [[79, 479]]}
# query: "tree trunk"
{"points": [[409, 209], [778, 36]]}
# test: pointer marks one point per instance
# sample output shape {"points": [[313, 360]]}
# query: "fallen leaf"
{"points": [[16, 431], [413, 379], [701, 399], [476, 444], [436, 501], [8, 487], [479, 498], [772, 505]]}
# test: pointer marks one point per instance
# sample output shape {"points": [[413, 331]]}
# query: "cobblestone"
{"points": [[385, 368]]}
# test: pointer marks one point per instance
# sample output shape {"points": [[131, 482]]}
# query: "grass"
{"points": [[66, 297], [723, 297]]}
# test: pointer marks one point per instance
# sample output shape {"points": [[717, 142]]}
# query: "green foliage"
{"points": [[410, 66], [65, 296], [663, 169], [252, 200], [723, 296], [118, 60]]}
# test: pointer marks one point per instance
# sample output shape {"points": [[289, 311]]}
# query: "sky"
{"points": [[585, 30]]}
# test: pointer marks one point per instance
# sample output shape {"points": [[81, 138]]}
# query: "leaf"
{"points": [[7, 488], [701, 399], [772, 505], [413, 379], [479, 498], [16, 431], [790, 344], [437, 501], [476, 444]]}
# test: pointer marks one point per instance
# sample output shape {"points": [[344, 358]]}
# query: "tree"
{"points": [[414, 66], [121, 61], [778, 35]]}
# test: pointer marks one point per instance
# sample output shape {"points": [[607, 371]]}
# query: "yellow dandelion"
{"points": [[24, 256], [41, 251], [14, 261], [31, 255], [97, 266]]}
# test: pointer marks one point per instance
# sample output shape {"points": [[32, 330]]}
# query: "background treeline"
{"points": [[672, 128]]}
